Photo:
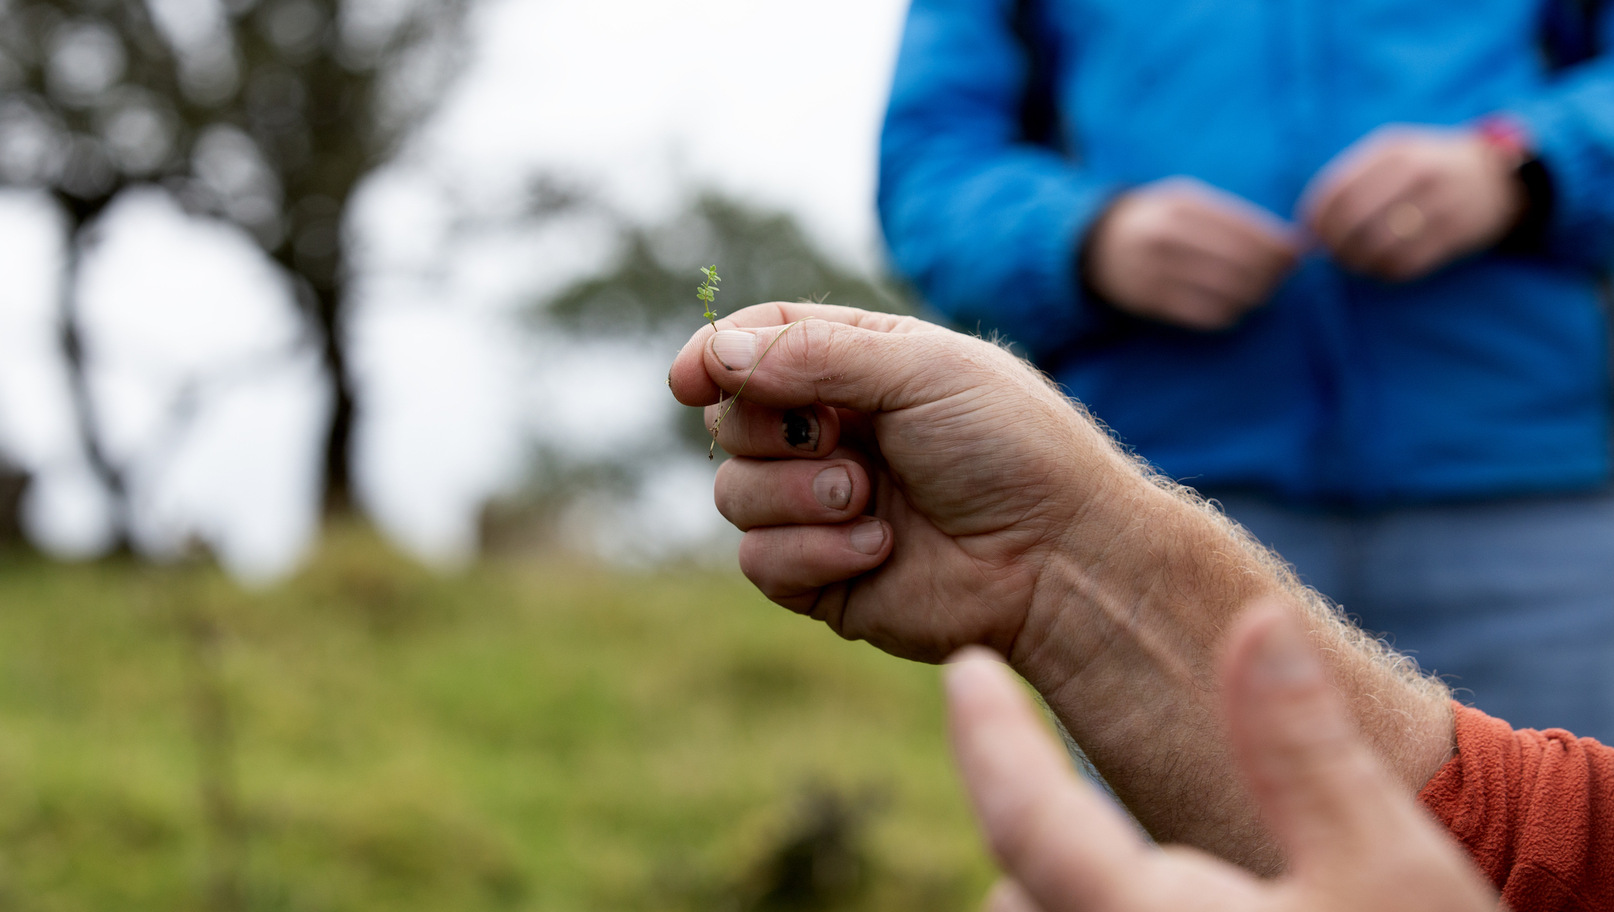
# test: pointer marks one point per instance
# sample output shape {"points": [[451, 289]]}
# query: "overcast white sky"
{"points": [[776, 101]]}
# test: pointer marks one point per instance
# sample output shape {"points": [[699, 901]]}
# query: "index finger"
{"points": [[1055, 836], [692, 385]]}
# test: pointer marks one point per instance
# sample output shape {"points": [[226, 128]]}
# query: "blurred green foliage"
{"points": [[542, 736], [765, 256]]}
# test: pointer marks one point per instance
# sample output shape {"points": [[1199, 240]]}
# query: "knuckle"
{"points": [[809, 344], [733, 432], [1160, 241], [726, 493], [1174, 208], [755, 559]]}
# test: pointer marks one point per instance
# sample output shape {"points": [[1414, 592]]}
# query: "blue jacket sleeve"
{"points": [[1572, 124], [986, 225]]}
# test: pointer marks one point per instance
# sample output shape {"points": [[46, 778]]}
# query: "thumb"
{"points": [[1061, 844], [815, 360], [1007, 896], [1326, 797]]}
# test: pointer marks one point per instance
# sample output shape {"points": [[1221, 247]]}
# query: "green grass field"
{"points": [[544, 736]]}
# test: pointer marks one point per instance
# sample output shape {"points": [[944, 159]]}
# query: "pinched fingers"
{"points": [[1185, 253], [1346, 195], [792, 492], [1242, 231], [1358, 221], [792, 564]]}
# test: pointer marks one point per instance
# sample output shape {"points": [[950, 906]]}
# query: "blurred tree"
{"points": [[648, 293], [763, 256], [267, 114], [13, 485]]}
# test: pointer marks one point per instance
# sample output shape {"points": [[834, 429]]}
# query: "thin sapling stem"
{"points": [[712, 450], [706, 294]]}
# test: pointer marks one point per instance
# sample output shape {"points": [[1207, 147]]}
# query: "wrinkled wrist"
{"points": [[1144, 564]]}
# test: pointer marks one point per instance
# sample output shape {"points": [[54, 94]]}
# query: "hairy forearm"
{"points": [[1124, 639]]}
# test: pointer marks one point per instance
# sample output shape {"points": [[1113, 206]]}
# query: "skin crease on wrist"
{"points": [[1012, 520]]}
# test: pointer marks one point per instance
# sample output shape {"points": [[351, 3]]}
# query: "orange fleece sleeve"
{"points": [[1534, 808]]}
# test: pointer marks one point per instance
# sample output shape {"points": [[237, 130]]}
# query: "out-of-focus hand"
{"points": [[933, 473], [1405, 201], [1181, 252], [1355, 840]]}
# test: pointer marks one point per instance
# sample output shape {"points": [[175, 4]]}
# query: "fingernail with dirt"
{"points": [[833, 488], [734, 349]]}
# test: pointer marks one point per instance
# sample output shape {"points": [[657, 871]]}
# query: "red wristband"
{"points": [[1508, 137], [1511, 141]]}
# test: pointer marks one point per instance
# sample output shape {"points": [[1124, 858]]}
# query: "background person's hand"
{"points": [[1355, 839], [931, 469], [1405, 201], [1181, 252]]}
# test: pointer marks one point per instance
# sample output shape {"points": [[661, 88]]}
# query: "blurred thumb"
{"points": [[1058, 840], [1323, 793], [1006, 896]]}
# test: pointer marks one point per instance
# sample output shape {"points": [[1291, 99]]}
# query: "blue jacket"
{"points": [[1488, 378]]}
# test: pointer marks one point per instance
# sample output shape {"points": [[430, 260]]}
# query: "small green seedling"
{"points": [[706, 294]]}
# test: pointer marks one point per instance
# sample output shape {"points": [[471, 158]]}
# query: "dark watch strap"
{"points": [[1508, 136]]}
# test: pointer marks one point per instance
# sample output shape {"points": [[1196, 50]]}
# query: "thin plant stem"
{"points": [[711, 451]]}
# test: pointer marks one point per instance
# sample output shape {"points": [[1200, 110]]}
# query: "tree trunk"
{"points": [[82, 214], [13, 485], [338, 494]]}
